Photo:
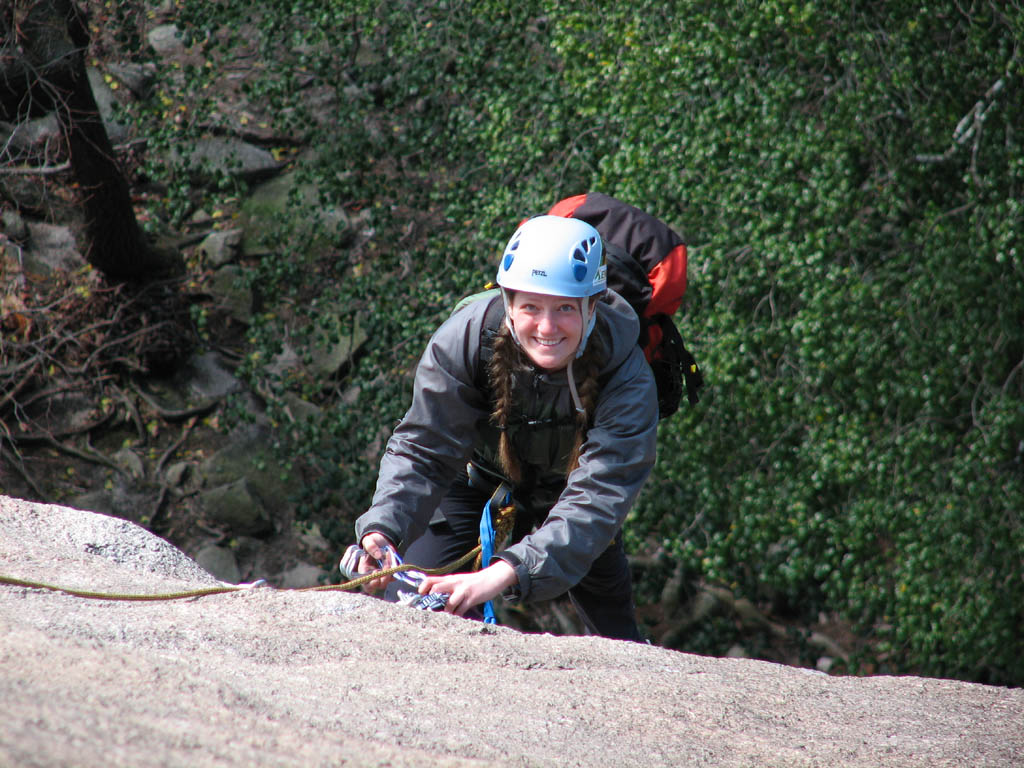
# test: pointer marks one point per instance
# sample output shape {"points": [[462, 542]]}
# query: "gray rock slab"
{"points": [[30, 139], [234, 293], [165, 40], [270, 677], [205, 376], [205, 157], [51, 248], [238, 506], [106, 101], [288, 199], [220, 562]]}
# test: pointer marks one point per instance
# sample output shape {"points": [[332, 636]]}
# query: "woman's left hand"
{"points": [[470, 589]]}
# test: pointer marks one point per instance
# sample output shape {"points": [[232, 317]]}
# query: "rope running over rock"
{"points": [[505, 518]]}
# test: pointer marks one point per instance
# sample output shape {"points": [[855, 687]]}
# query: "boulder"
{"points": [[220, 248], [238, 507], [220, 562], [234, 294], [275, 677], [52, 248], [206, 158], [165, 40], [106, 100], [288, 198]]}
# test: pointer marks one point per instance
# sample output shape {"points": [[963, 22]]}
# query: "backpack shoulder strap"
{"points": [[487, 293], [493, 320]]}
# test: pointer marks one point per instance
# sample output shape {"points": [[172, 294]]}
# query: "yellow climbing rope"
{"points": [[348, 585], [503, 526]]}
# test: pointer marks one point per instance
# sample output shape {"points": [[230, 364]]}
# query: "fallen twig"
{"points": [[177, 415], [133, 412], [17, 464], [21, 384], [189, 426], [90, 456], [46, 437]]}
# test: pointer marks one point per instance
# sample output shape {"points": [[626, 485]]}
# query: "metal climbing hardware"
{"points": [[429, 602], [349, 565], [412, 578], [498, 509], [350, 561]]}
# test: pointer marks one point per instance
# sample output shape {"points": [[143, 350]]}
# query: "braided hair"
{"points": [[507, 360]]}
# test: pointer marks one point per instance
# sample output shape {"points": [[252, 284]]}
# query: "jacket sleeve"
{"points": [[616, 460], [435, 437]]}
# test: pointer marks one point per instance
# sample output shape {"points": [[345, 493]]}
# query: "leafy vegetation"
{"points": [[849, 178]]}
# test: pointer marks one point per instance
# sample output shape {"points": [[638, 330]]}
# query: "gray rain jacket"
{"points": [[448, 424]]}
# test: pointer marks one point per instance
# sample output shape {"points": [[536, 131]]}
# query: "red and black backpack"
{"points": [[647, 267]]}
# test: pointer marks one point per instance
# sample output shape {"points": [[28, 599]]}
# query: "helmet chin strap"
{"points": [[589, 318], [507, 301], [577, 403]]}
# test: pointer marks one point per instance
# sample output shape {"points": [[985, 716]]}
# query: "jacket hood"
{"points": [[620, 327]]}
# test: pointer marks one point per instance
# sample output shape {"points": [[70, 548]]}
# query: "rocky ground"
{"points": [[266, 677]]}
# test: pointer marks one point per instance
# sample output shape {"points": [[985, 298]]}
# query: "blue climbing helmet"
{"points": [[555, 256]]}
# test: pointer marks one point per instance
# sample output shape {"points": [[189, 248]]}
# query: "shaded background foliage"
{"points": [[849, 177]]}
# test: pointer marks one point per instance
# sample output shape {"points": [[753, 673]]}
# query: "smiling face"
{"points": [[549, 328]]}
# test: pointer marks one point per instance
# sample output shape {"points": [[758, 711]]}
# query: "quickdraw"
{"points": [[494, 528]]}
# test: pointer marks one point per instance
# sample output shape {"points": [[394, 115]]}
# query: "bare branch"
{"points": [[177, 415], [970, 125], [86, 455], [14, 460], [41, 170]]}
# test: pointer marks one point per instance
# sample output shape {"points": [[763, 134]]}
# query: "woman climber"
{"points": [[542, 387]]}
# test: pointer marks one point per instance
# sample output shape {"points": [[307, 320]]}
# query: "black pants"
{"points": [[603, 598]]}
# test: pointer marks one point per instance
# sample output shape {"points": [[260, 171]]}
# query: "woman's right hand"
{"points": [[379, 548]]}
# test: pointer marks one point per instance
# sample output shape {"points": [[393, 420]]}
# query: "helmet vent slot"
{"points": [[579, 259]]}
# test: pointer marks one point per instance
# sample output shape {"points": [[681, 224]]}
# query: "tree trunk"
{"points": [[42, 69]]}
